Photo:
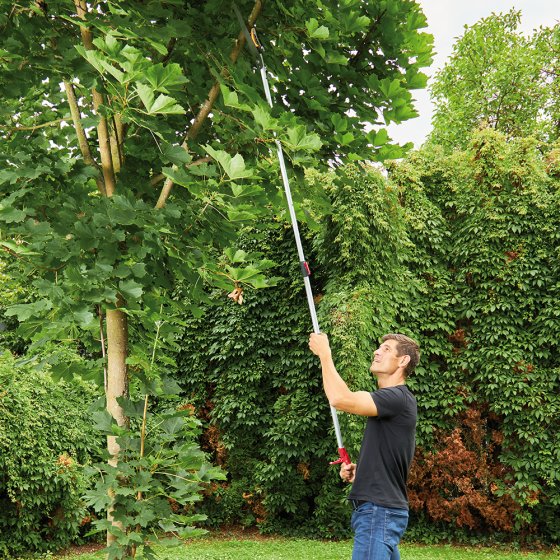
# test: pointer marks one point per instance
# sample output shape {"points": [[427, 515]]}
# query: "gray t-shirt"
{"points": [[387, 449]]}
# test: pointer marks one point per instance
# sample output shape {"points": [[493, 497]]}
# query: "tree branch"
{"points": [[103, 135], [80, 133], [117, 132], [31, 128], [366, 40], [160, 177], [204, 111]]}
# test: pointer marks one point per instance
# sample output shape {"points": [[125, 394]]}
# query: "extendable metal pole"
{"points": [[343, 455]]}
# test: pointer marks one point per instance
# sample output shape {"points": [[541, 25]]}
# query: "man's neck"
{"points": [[393, 380]]}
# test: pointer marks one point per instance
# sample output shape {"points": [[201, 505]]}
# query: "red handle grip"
{"points": [[342, 457]]}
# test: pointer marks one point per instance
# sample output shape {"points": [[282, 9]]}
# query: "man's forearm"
{"points": [[334, 386]]}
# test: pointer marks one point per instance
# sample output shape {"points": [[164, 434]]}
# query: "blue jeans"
{"points": [[377, 532]]}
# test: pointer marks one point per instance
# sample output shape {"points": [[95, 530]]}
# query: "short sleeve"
{"points": [[389, 402]]}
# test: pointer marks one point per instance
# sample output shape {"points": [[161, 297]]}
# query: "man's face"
{"points": [[385, 359]]}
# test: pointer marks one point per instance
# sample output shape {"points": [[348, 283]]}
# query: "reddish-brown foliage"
{"points": [[459, 482]]}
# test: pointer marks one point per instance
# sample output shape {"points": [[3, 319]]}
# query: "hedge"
{"points": [[46, 436], [460, 251]]}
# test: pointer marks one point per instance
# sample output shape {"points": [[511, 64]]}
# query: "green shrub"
{"points": [[45, 438]]}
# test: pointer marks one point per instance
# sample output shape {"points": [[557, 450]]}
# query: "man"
{"points": [[378, 495]]}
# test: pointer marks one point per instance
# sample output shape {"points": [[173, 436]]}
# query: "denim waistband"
{"points": [[357, 503]]}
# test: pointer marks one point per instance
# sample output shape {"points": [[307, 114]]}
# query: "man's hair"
{"points": [[406, 347]]}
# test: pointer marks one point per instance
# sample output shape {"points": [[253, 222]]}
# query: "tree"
{"points": [[136, 144], [499, 78]]}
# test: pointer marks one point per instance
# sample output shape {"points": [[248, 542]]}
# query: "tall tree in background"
{"points": [[498, 77], [135, 143]]}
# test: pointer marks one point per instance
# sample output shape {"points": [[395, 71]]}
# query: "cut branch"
{"points": [[209, 103]]}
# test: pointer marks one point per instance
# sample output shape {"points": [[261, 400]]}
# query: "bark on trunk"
{"points": [[117, 382]]}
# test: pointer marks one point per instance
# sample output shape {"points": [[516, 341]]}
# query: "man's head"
{"points": [[396, 352]]}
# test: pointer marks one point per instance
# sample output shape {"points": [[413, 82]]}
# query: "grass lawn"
{"points": [[216, 547]]}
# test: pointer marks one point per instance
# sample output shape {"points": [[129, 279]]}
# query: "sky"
{"points": [[446, 22]]}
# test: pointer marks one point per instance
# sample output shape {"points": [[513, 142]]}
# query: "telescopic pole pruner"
{"points": [[256, 50]]}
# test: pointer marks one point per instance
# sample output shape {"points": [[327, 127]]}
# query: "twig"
{"points": [[32, 128]]}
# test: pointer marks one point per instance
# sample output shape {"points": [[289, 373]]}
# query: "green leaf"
{"points": [[163, 104], [390, 88], [336, 58], [12, 215], [173, 426], [263, 118], [316, 32], [166, 105], [146, 94], [103, 421], [130, 289], [340, 123], [176, 155], [184, 178], [165, 77], [18, 248], [234, 167], [231, 99], [24, 311], [139, 270], [379, 138], [83, 317], [298, 139]]}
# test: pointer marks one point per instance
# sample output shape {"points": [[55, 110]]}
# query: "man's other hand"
{"points": [[348, 472]]}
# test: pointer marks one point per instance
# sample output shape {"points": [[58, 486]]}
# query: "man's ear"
{"points": [[404, 360]]}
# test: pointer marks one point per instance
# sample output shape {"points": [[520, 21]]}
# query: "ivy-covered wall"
{"points": [[459, 251], [493, 334]]}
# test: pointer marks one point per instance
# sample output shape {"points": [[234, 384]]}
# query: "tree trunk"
{"points": [[117, 382]]}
